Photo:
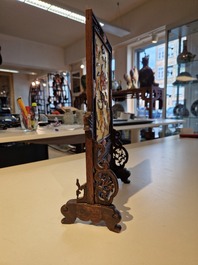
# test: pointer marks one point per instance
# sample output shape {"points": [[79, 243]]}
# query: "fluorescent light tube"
{"points": [[9, 71], [37, 3], [66, 13]]}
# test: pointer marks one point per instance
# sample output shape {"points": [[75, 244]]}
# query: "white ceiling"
{"points": [[27, 22]]}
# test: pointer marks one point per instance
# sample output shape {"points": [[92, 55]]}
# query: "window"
{"points": [[160, 73], [170, 71], [171, 50], [161, 52], [156, 55]]}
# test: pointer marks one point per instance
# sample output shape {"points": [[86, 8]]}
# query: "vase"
{"points": [[185, 56]]}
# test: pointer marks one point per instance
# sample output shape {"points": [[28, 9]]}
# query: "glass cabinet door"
{"points": [[182, 74]]}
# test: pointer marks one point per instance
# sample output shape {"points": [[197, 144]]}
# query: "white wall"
{"points": [[24, 53], [21, 89], [75, 52], [28, 54], [120, 56]]}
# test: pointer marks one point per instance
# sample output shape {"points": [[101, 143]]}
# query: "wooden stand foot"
{"points": [[92, 212]]}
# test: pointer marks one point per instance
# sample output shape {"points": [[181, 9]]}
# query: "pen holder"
{"points": [[29, 120]]}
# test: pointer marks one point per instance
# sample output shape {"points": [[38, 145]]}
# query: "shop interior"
{"points": [[50, 66], [154, 97]]}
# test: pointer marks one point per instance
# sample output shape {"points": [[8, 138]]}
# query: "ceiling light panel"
{"points": [[36, 3], [55, 9], [9, 71], [65, 13]]}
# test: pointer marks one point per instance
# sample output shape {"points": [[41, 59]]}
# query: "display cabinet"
{"points": [[51, 92], [182, 73], [59, 91], [37, 93]]}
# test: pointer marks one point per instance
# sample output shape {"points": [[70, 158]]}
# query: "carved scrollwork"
{"points": [[88, 124], [106, 186], [119, 153], [101, 160], [81, 189], [120, 156]]}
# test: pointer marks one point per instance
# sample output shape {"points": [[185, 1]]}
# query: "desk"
{"points": [[37, 148], [135, 129], [64, 134], [159, 210], [71, 134]]}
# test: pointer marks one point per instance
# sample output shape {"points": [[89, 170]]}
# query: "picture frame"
{"points": [[99, 57]]}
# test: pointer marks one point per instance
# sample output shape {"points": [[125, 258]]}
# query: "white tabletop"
{"points": [[68, 131], [154, 123], [45, 132], [159, 210]]}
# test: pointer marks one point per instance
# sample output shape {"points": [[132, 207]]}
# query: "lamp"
{"points": [[154, 38]]}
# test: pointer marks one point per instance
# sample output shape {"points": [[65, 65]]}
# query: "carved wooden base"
{"points": [[119, 159], [91, 212], [122, 173]]}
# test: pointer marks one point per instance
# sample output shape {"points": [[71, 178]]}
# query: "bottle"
{"points": [[34, 116]]}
